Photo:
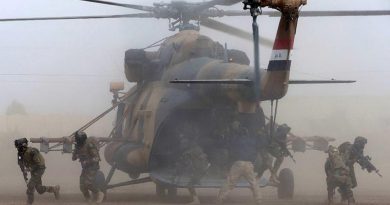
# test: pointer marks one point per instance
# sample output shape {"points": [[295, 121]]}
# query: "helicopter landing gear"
{"points": [[286, 185]]}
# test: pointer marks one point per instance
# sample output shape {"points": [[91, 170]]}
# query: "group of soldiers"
{"points": [[339, 168], [245, 150], [86, 151], [250, 155]]}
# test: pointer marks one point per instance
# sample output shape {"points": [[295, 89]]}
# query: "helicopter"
{"points": [[191, 82]]}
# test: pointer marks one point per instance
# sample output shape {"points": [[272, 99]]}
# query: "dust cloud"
{"points": [[341, 117]]}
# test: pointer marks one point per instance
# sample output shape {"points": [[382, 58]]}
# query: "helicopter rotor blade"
{"points": [[345, 13], [221, 2], [131, 6], [138, 15], [213, 3], [219, 26], [309, 13], [325, 13]]}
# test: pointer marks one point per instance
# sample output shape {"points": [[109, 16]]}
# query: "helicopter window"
{"points": [[141, 65]]}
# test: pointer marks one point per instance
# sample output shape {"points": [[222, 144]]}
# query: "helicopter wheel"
{"points": [[286, 185], [160, 191], [166, 192]]}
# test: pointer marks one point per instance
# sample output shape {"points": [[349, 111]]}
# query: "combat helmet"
{"points": [[21, 144], [80, 137], [281, 132], [360, 140], [283, 128], [332, 151]]}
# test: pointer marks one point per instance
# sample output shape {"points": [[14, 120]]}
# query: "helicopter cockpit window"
{"points": [[140, 65]]}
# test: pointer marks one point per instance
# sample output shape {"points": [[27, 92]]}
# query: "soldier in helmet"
{"points": [[278, 149], [87, 152], [30, 160], [338, 175], [192, 160], [353, 153], [242, 153]]}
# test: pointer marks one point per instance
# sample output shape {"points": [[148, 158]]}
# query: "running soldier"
{"points": [[338, 175], [278, 149], [242, 153], [30, 160], [88, 154], [353, 153], [194, 161]]}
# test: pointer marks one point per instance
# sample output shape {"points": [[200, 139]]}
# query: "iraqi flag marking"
{"points": [[280, 55]]}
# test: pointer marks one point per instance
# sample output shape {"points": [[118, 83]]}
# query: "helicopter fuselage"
{"points": [[158, 110]]}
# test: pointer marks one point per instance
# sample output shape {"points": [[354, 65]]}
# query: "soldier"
{"points": [[193, 160], [278, 149], [30, 160], [88, 154], [338, 175], [242, 152], [352, 153]]}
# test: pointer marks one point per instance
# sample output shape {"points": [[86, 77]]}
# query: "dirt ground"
{"points": [[144, 194]]}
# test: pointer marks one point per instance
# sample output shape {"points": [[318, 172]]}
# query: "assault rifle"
{"points": [[365, 163], [286, 151]]}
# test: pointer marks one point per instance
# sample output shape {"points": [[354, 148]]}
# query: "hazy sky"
{"points": [[66, 66]]}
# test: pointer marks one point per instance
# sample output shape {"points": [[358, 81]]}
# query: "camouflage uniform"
{"points": [[338, 175], [351, 153], [88, 155], [243, 153], [276, 148], [31, 160], [193, 160]]}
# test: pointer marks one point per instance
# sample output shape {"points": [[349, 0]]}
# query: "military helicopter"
{"points": [[193, 86]]}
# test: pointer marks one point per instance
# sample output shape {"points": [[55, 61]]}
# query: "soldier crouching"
{"points": [[30, 160], [338, 175], [88, 154]]}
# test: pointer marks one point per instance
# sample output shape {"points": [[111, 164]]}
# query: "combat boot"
{"points": [[343, 195], [273, 180], [99, 197], [56, 191], [219, 201], [330, 200], [195, 200], [330, 196], [351, 201]]}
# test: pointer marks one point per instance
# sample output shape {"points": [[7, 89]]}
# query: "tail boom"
{"points": [[278, 71]]}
